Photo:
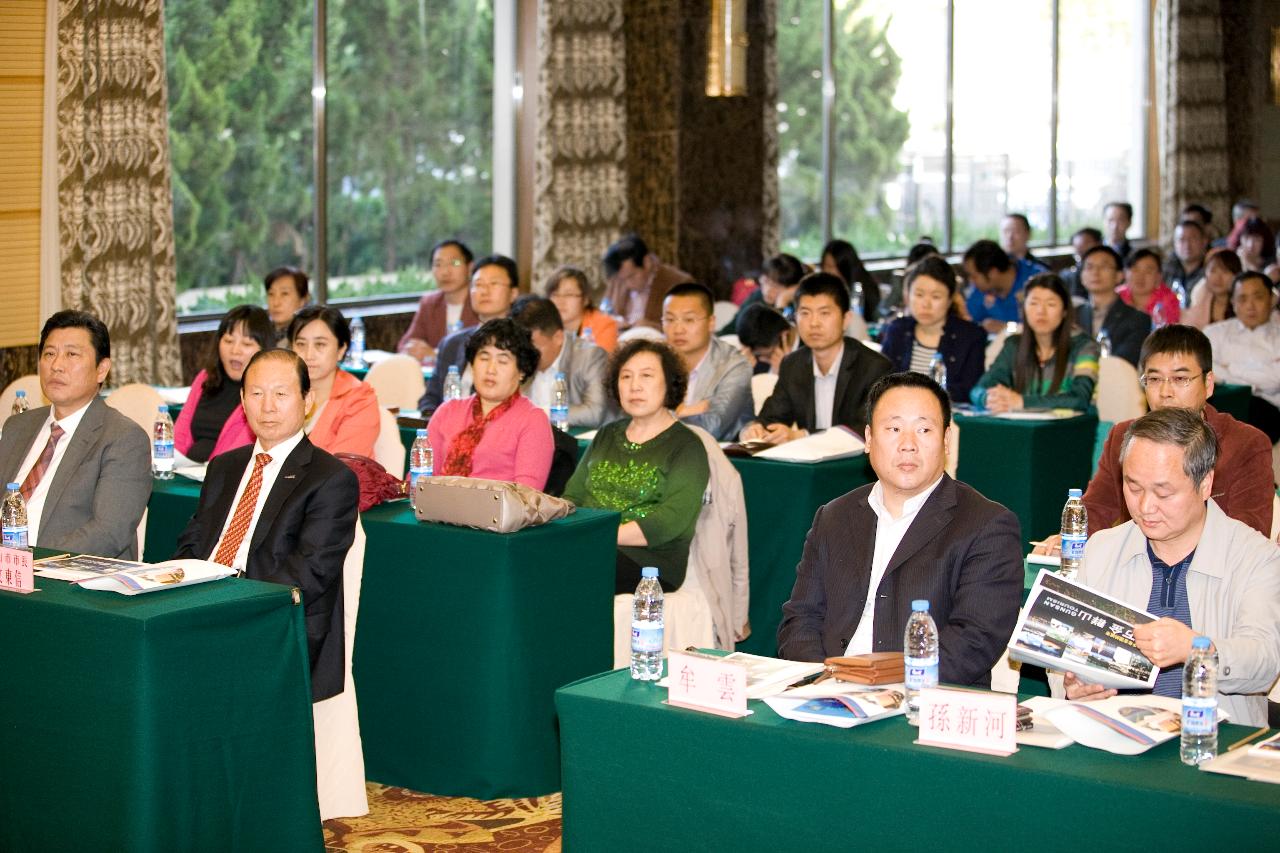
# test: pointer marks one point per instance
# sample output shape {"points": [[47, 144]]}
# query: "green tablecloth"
{"points": [[178, 720], [1232, 399], [639, 775], [1028, 465]]}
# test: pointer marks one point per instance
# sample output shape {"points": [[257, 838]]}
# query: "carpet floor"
{"points": [[404, 821]]}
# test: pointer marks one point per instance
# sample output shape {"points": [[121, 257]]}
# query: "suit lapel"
{"points": [[808, 402], [566, 359], [845, 375], [291, 473], [85, 436], [19, 434], [863, 527], [932, 519]]}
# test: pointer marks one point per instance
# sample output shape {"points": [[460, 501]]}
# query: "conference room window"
{"points": [[1047, 117], [405, 93]]}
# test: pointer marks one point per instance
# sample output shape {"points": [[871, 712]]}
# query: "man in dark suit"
{"points": [[84, 469], [825, 382], [1101, 273], [289, 517], [445, 309], [914, 534]]}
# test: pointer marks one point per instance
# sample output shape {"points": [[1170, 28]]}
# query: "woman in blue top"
{"points": [[1045, 367], [933, 327]]}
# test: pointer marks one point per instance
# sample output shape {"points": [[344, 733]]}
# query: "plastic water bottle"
{"points": [[938, 370], [1181, 292], [606, 305], [20, 403], [452, 384], [1158, 320], [1200, 704], [1104, 344], [355, 352], [420, 461], [919, 656], [586, 335], [855, 298], [1075, 530], [560, 404], [646, 628], [13, 518], [162, 446], [455, 326]]}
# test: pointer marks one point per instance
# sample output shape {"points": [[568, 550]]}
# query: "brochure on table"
{"points": [[130, 578], [1068, 626], [839, 703], [1124, 725], [1259, 763], [839, 442]]}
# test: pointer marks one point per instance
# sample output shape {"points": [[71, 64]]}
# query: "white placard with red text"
{"points": [[971, 720], [17, 571], [709, 684]]}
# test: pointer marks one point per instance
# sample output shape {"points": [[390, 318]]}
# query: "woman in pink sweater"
{"points": [[496, 433]]}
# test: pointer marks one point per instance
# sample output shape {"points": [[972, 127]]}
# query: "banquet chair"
{"points": [[138, 403], [387, 449], [647, 332], [993, 349], [339, 750], [1120, 397], [397, 381], [761, 387], [29, 383], [724, 313]]}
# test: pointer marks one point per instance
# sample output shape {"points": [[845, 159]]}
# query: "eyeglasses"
{"points": [[1180, 382], [566, 294], [454, 262]]}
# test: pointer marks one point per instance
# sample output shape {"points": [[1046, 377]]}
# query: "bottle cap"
{"points": [[1200, 643], [453, 368], [646, 572], [422, 433], [559, 375], [13, 487], [1074, 493], [162, 408], [20, 393], [920, 604]]}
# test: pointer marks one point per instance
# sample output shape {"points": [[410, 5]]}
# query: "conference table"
{"points": [[176, 720], [462, 639], [640, 775]]}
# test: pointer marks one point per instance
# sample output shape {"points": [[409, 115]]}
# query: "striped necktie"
{"points": [[244, 513], [42, 464]]}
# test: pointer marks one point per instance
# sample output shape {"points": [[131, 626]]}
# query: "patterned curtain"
{"points": [[115, 207], [580, 174], [770, 224], [1190, 109]]}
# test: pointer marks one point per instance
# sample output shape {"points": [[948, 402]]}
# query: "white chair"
{"points": [[993, 349], [387, 449], [1275, 518], [138, 403], [1120, 397], [398, 382], [686, 622], [142, 534], [857, 327], [647, 332], [731, 339], [339, 749], [724, 312], [872, 345], [953, 449], [761, 387], [1006, 675], [29, 383]]}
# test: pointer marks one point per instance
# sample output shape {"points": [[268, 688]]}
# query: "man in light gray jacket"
{"points": [[584, 365], [719, 394], [1182, 559]]}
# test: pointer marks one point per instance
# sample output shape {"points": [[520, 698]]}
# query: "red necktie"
{"points": [[42, 464], [244, 513]]}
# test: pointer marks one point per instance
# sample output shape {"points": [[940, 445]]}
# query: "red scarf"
{"points": [[458, 462]]}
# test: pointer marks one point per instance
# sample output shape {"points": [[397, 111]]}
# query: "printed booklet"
{"points": [[839, 703], [130, 578]]}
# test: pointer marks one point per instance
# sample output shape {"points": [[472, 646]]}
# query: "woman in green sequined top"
{"points": [[647, 466]]}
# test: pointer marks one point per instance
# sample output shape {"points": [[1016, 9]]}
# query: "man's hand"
{"points": [[1165, 641], [1052, 546], [685, 410], [993, 325], [419, 349], [1083, 691], [743, 633], [772, 434]]}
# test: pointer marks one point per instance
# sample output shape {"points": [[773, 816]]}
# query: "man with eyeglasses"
{"points": [[1176, 371], [445, 309]]}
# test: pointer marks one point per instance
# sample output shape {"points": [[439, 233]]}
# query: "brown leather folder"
{"points": [[873, 668]]}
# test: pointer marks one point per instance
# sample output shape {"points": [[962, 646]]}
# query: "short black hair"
{"points": [[922, 250], [1177, 339], [506, 334], [1252, 275], [457, 244], [326, 314], [1190, 223], [784, 269], [824, 283], [934, 267], [760, 325], [1021, 217], [1120, 205], [908, 379], [986, 255], [1200, 210], [256, 323], [508, 265], [71, 319], [537, 312], [629, 248], [693, 288], [300, 366], [300, 284], [1103, 249], [1092, 233], [1139, 255], [673, 372]]}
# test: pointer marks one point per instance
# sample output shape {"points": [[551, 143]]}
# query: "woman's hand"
{"points": [[1003, 399], [631, 535]]}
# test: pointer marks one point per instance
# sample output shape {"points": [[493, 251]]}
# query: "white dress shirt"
{"points": [[543, 387], [269, 474], [452, 317], [1247, 356], [35, 506], [693, 378], [889, 533], [824, 391]]}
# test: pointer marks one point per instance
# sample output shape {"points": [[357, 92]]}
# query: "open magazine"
{"points": [[1067, 626], [839, 442], [839, 703], [130, 578], [1124, 725]]}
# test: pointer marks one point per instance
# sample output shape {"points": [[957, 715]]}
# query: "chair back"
{"points": [[29, 383], [398, 382], [724, 313], [564, 459], [387, 449], [641, 332], [138, 403], [1120, 397], [761, 387], [993, 349]]}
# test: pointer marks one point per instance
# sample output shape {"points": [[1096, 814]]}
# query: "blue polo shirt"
{"points": [[1169, 598], [983, 306]]}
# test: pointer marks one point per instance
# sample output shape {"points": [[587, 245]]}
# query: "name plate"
{"points": [[703, 683], [973, 721], [17, 571]]}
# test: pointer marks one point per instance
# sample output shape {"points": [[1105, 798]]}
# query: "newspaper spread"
{"points": [[839, 703], [1067, 626]]}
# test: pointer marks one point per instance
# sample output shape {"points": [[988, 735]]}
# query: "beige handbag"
{"points": [[491, 505]]}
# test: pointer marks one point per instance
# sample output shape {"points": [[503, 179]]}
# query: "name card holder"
{"points": [[969, 720], [707, 684], [17, 571]]}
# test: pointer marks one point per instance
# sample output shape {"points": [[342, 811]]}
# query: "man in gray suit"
{"points": [[84, 468], [916, 533], [584, 365], [719, 394]]}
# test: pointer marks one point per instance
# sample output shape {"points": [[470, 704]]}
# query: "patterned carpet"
{"points": [[404, 821]]}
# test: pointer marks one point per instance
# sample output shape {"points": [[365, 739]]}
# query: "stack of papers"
{"points": [[836, 443], [839, 703], [1124, 725], [130, 578]]}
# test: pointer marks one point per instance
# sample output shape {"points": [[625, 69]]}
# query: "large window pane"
{"points": [[1003, 92], [239, 74], [800, 126], [410, 114]]}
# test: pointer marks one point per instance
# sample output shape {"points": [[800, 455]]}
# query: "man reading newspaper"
{"points": [[1183, 560]]}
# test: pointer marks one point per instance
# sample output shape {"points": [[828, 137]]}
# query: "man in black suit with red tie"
{"points": [[916, 533], [282, 510]]}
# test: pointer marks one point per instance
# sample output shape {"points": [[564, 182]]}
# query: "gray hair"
{"points": [[1180, 428]]}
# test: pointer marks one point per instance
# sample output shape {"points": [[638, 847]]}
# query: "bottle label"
{"points": [[1073, 546], [163, 450], [646, 637], [1199, 715], [15, 537], [921, 672]]}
